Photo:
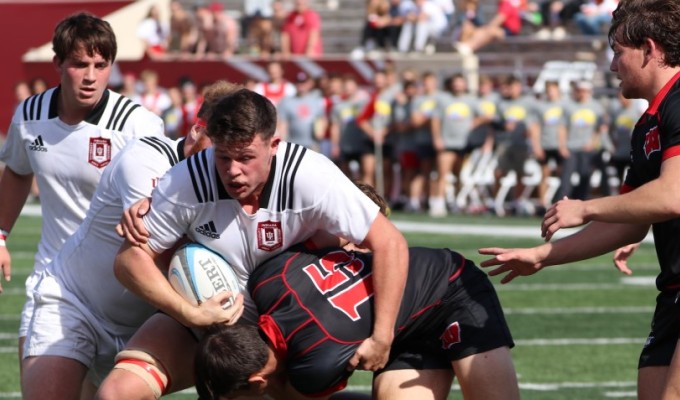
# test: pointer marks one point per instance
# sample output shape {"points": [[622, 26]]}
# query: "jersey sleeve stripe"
{"points": [[40, 100], [291, 162], [32, 112], [113, 113], [161, 147], [25, 109], [205, 177], [122, 123], [192, 172], [119, 114]]}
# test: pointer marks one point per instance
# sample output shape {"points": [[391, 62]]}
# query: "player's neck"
{"points": [[69, 111]]}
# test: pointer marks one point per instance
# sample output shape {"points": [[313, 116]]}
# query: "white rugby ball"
{"points": [[198, 273]]}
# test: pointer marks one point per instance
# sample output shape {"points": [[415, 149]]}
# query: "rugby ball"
{"points": [[198, 273]]}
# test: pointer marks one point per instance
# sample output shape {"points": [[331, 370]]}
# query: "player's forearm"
{"points": [[14, 189], [135, 269], [390, 271], [652, 202], [595, 239]]}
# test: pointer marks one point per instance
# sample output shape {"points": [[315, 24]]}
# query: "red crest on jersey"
{"points": [[451, 335], [269, 235], [652, 142], [100, 152]]}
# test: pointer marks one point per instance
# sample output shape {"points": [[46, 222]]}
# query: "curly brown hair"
{"points": [[634, 21]]}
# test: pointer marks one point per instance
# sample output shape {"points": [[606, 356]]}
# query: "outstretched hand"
{"points": [[514, 262], [563, 214]]}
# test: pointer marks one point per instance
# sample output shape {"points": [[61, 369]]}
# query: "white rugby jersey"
{"points": [[85, 263], [68, 160], [305, 192]]}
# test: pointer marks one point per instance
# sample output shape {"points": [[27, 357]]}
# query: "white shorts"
{"points": [[63, 326], [27, 311]]}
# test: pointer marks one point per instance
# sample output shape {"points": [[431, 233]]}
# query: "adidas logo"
{"points": [[208, 230], [37, 144]]}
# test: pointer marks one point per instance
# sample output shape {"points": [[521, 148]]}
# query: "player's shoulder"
{"points": [[156, 147], [40, 106], [122, 113]]}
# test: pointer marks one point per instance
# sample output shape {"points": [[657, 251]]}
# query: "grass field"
{"points": [[578, 329]]}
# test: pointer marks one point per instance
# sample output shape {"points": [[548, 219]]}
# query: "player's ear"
{"points": [[258, 382]]}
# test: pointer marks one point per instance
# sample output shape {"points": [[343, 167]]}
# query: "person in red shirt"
{"points": [[301, 32], [506, 22]]}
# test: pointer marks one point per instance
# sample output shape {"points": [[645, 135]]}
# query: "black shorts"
{"points": [[551, 155], [661, 342], [469, 321]]}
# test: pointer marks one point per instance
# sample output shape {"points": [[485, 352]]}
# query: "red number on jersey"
{"points": [[332, 272]]}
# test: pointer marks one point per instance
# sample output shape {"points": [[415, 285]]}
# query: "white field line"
{"points": [[579, 342], [579, 310]]}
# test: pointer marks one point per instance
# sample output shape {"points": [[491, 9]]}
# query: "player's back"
{"points": [[85, 263]]}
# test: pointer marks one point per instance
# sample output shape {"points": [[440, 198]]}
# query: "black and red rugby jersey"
{"points": [[317, 307], [656, 138]]}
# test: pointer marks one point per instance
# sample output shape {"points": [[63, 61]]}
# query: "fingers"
{"points": [[353, 362]]}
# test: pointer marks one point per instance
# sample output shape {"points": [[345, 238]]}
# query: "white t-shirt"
{"points": [[275, 92], [305, 193], [68, 160], [85, 263]]}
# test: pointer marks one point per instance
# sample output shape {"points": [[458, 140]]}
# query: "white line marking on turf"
{"points": [[580, 310], [564, 286], [577, 341], [621, 395]]}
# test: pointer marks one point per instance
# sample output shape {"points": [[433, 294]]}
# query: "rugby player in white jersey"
{"points": [[85, 316], [249, 197], [65, 137]]}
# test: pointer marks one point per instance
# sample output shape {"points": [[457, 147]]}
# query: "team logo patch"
{"points": [[450, 336], [100, 152], [269, 235], [652, 141]]}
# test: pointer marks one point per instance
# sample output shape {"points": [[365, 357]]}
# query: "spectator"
{"points": [[257, 26], [130, 86], [172, 116], [218, 32], [594, 16], [301, 32], [191, 103], [515, 122], [153, 97], [624, 114], [506, 22], [301, 118], [470, 19], [22, 91], [585, 118], [277, 87], [154, 34], [38, 85], [183, 30], [330, 87], [424, 106], [423, 20], [375, 34], [456, 115], [344, 129], [552, 136], [555, 15], [407, 155]]}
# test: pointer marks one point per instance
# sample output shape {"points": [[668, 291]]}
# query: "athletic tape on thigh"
{"points": [[146, 367]]}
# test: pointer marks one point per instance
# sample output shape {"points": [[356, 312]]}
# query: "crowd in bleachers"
{"points": [[430, 144], [281, 28]]}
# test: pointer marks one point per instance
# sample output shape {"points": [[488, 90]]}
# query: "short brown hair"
{"points": [[212, 94], [86, 31], [238, 117]]}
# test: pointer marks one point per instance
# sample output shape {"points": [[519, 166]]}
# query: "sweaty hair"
{"points": [[226, 357], [214, 92], [238, 117], [86, 31], [634, 21]]}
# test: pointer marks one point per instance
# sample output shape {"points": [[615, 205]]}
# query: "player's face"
{"points": [[627, 65], [83, 79], [244, 171]]}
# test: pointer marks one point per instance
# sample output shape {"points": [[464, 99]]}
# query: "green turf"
{"points": [[552, 315]]}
